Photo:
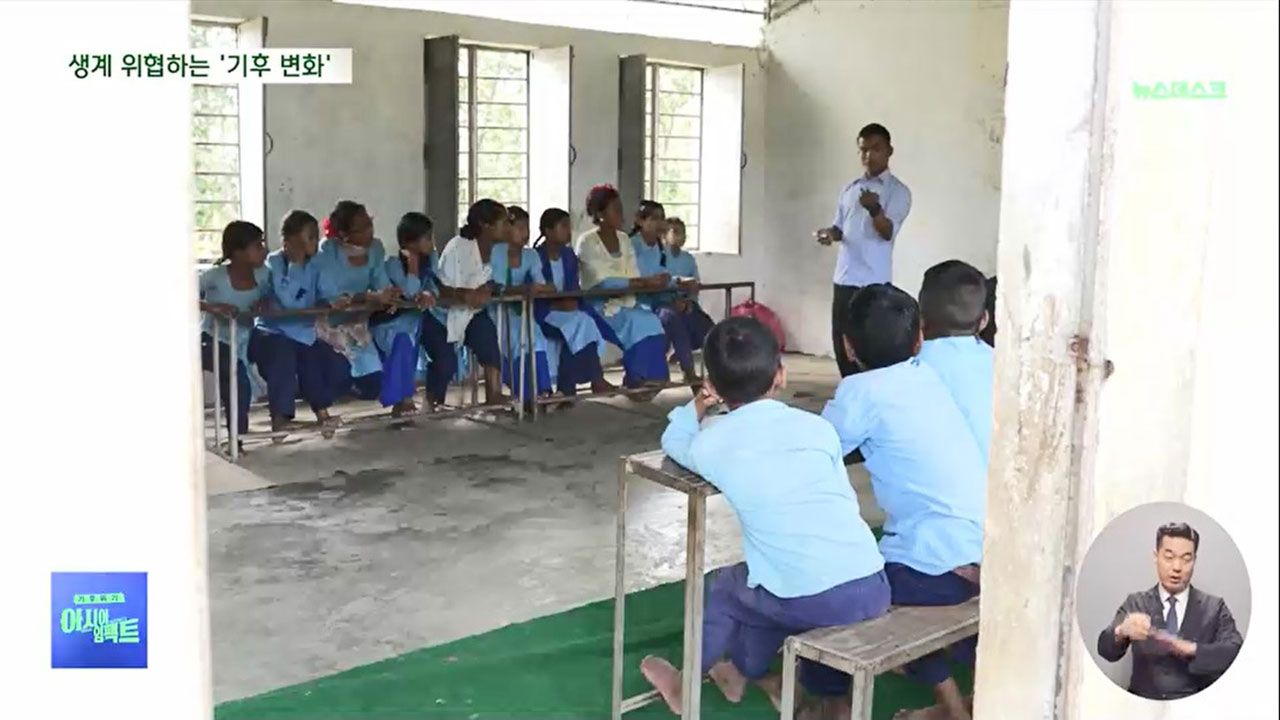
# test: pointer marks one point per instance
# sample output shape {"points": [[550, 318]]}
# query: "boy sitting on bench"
{"points": [[926, 471], [811, 560]]}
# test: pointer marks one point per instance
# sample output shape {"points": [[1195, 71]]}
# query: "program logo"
{"points": [[99, 620]]}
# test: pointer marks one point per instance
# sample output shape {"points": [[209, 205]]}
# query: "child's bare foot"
{"points": [[602, 386], [665, 678], [403, 408], [731, 682]]}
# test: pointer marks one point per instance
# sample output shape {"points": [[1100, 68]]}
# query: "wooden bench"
{"points": [[868, 649]]}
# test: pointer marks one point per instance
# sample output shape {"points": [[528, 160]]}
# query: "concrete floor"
{"points": [[325, 555]]}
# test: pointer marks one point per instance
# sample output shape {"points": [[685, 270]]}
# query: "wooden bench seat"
{"points": [[867, 649]]}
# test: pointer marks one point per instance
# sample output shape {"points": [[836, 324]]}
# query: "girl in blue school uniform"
{"points": [[684, 273], [515, 267], [466, 282], [352, 270], [607, 261], [647, 237], [236, 284], [285, 348], [575, 332], [398, 334]]}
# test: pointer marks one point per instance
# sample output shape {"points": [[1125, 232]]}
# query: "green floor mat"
{"points": [[551, 668]]}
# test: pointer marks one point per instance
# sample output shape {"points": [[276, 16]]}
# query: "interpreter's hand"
{"points": [[661, 280], [868, 199], [425, 301], [343, 302], [704, 401], [1135, 626], [689, 285], [826, 235]]}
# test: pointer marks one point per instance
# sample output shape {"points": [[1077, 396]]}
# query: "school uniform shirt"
{"points": [[682, 265], [865, 258], [292, 286], [215, 287], [782, 471], [652, 260], [338, 277], [461, 267], [404, 321], [966, 366], [926, 471]]}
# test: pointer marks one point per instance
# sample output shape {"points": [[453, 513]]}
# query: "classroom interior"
{"points": [[457, 567]]}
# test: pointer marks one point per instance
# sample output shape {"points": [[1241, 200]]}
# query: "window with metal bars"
{"points": [[493, 127], [673, 142], [215, 138]]}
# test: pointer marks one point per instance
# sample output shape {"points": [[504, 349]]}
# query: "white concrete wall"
{"points": [[364, 141], [932, 72]]}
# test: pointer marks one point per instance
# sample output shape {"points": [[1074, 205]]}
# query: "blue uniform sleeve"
{"points": [[693, 264], [327, 288], [677, 440], [378, 279], [205, 282], [613, 283], [849, 413], [396, 275], [534, 263]]}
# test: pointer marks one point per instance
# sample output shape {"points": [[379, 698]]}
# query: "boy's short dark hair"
{"points": [[883, 324], [1178, 530], [953, 298], [988, 333], [742, 357], [872, 129], [413, 227]]}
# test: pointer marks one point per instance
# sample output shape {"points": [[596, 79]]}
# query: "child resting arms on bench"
{"points": [[928, 472], [811, 560]]}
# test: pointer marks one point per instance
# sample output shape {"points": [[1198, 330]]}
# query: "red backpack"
{"points": [[769, 318]]}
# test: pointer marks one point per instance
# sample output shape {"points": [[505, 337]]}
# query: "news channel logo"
{"points": [[99, 620]]}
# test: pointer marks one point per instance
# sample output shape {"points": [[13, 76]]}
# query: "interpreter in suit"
{"points": [[1183, 638]]}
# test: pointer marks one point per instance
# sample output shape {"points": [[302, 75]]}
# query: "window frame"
{"points": [[238, 174], [472, 131], [653, 68]]}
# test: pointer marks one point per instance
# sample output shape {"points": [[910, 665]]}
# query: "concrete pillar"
{"points": [[1140, 232]]}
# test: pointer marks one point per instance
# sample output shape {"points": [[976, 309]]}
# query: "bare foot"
{"points": [[772, 686], [403, 408], [731, 682], [665, 678], [602, 386]]}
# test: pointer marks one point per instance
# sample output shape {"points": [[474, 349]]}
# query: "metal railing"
{"points": [[525, 358]]}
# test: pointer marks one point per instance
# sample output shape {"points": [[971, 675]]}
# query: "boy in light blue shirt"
{"points": [[926, 470], [811, 560], [952, 315]]}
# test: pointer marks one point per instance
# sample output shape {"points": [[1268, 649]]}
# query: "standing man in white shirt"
{"points": [[869, 213]]}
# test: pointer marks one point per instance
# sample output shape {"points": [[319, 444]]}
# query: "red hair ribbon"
{"points": [[326, 229]]}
